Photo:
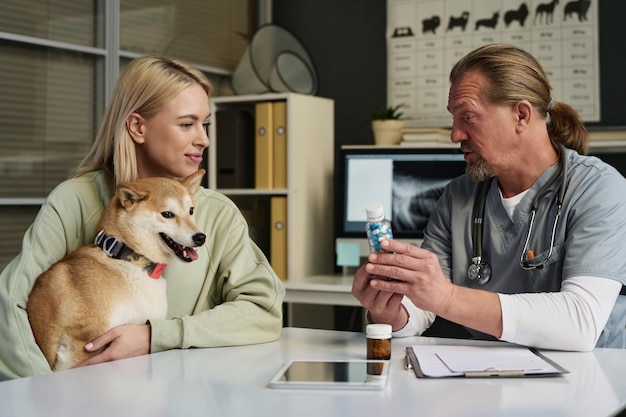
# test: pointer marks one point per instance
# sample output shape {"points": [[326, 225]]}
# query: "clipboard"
{"points": [[442, 361]]}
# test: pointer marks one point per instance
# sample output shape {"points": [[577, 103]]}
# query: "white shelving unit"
{"points": [[310, 164]]}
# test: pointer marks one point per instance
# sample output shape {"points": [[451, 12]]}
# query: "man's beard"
{"points": [[478, 171]]}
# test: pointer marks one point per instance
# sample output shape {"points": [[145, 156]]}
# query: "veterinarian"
{"points": [[529, 245], [155, 125]]}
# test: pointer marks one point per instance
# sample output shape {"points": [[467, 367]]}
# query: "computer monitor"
{"points": [[408, 182]]}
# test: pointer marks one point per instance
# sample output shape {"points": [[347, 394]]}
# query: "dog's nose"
{"points": [[199, 239]]}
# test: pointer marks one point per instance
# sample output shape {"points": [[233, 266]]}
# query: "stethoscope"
{"points": [[480, 270]]}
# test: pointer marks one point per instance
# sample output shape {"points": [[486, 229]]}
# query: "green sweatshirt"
{"points": [[229, 296]]}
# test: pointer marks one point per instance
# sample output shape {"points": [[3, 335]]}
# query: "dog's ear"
{"points": [[128, 196], [192, 182]]}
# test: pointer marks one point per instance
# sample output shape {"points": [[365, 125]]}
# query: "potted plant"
{"points": [[387, 125]]}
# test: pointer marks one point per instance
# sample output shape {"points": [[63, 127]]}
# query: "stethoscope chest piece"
{"points": [[479, 271]]}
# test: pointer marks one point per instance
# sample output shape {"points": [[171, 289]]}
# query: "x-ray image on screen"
{"points": [[413, 199], [408, 182]]}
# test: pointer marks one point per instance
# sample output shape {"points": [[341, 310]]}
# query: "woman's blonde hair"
{"points": [[146, 85], [515, 75]]}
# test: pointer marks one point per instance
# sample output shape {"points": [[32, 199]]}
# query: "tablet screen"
{"points": [[351, 374]]}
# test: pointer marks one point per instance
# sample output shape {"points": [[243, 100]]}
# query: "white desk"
{"points": [[233, 382]]}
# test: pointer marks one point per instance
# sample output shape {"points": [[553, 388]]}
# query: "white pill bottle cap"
{"points": [[375, 212], [378, 331]]}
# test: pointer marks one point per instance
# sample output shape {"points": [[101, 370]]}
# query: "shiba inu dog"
{"points": [[116, 280]]}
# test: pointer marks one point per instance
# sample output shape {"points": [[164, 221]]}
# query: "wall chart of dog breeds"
{"points": [[426, 37]]}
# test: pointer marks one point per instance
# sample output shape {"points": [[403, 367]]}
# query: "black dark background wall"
{"points": [[612, 15], [346, 41]]}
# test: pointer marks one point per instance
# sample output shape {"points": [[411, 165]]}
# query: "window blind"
{"points": [[51, 97]]}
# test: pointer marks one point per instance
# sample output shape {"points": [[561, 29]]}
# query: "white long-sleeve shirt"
{"points": [[579, 313]]}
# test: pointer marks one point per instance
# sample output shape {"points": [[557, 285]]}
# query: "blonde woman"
{"points": [[155, 125]]}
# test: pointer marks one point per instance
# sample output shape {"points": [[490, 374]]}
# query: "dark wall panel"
{"points": [[346, 41]]}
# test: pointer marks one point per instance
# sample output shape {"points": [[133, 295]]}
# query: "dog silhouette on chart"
{"points": [[580, 7], [519, 15], [545, 12], [460, 21], [430, 25], [491, 22]]}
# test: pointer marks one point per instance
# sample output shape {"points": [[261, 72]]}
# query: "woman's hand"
{"points": [[120, 342]]}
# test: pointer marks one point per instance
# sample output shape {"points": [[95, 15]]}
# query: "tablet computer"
{"points": [[331, 374]]}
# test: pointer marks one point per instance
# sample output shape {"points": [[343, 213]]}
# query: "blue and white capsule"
{"points": [[378, 228]]}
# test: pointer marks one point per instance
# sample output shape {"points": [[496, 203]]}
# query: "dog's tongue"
{"points": [[191, 254]]}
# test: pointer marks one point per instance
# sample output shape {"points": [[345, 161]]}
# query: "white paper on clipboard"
{"points": [[438, 361]]}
